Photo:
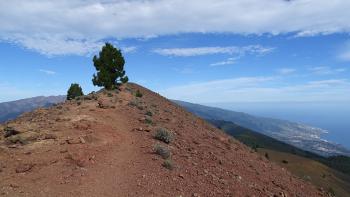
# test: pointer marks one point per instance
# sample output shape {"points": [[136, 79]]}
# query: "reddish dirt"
{"points": [[104, 147]]}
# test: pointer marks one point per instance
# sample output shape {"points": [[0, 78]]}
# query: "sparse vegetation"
{"points": [[331, 191], [74, 91], [267, 155], [148, 120], [138, 94], [168, 164], [149, 113], [110, 68], [163, 135], [109, 94], [164, 152]]}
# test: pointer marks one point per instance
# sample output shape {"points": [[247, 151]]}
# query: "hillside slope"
{"points": [[320, 171], [103, 145], [299, 135], [10, 110]]}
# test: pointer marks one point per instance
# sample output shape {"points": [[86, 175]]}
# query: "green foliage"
{"points": [[149, 113], [284, 161], [168, 164], [138, 94], [148, 120], [163, 135], [110, 68], [74, 91], [267, 155], [164, 152]]}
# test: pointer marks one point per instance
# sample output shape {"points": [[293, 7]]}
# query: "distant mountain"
{"points": [[299, 135], [10, 110]]}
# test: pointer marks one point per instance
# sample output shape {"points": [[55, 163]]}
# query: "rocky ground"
{"points": [[103, 144]]}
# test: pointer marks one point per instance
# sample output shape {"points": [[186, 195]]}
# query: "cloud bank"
{"points": [[80, 26]]}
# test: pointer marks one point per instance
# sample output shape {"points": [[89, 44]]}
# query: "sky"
{"points": [[202, 51]]}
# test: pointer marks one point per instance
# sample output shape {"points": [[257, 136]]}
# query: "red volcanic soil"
{"points": [[103, 145]]}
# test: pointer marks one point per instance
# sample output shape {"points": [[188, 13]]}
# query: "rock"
{"points": [[181, 176], [73, 141], [23, 138], [10, 131], [195, 195], [82, 140], [49, 136], [24, 168]]}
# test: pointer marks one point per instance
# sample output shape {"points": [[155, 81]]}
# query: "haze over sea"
{"points": [[331, 116]]}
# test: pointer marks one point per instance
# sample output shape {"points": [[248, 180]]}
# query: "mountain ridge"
{"points": [[12, 109], [104, 144]]}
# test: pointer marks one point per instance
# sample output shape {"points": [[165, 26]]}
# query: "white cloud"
{"points": [[79, 26], [326, 70], [48, 72], [229, 61], [260, 89], [344, 53], [130, 49], [286, 71], [199, 51]]}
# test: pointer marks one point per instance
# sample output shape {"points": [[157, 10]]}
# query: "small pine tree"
{"points": [[110, 68], [74, 91]]}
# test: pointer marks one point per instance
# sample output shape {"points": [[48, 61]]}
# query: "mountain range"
{"points": [[12, 109]]}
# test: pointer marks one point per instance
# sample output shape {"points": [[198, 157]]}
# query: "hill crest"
{"points": [[103, 144]]}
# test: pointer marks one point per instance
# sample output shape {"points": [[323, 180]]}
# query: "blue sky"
{"points": [[211, 51]]}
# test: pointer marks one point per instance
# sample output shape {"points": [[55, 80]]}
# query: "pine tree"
{"points": [[74, 91], [110, 68]]}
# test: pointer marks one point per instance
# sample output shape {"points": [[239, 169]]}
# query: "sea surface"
{"points": [[331, 116]]}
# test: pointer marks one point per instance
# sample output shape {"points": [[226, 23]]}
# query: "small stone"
{"points": [[195, 195], [24, 168], [82, 140], [73, 141]]}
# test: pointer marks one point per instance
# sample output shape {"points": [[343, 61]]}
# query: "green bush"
{"points": [[148, 120], [164, 152], [138, 94], [168, 164], [74, 91], [163, 135], [149, 113]]}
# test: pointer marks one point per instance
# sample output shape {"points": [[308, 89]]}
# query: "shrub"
{"points": [[138, 94], [74, 91], [267, 155], [168, 164], [284, 161], [149, 113], [110, 68], [331, 191], [164, 152], [148, 120], [163, 135]]}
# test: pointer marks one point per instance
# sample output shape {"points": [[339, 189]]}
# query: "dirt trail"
{"points": [[103, 145]]}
